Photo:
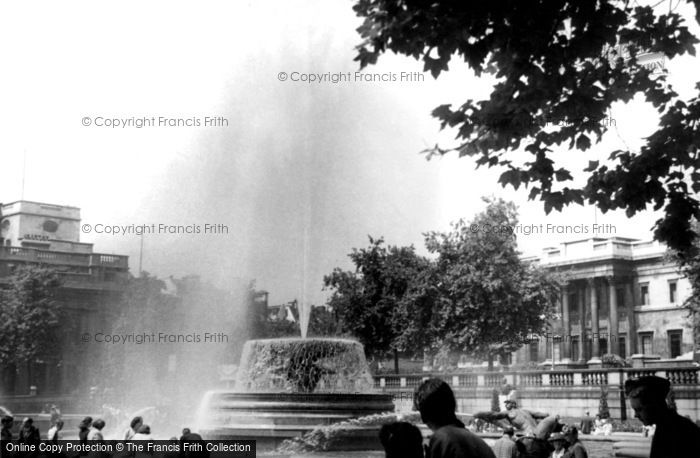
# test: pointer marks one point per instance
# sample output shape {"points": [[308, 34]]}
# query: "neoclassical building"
{"points": [[92, 287], [621, 296]]}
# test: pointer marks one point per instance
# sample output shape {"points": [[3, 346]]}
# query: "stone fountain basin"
{"points": [[271, 418]]}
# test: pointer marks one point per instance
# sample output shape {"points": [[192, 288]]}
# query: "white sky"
{"points": [[303, 172]]}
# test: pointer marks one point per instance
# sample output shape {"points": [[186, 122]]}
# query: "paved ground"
{"points": [[596, 449]]}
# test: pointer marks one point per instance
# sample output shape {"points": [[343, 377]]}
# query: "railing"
{"points": [[581, 378], [530, 379], [58, 257], [561, 379]]}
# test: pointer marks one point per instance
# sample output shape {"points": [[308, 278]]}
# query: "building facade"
{"points": [[621, 296], [92, 287]]}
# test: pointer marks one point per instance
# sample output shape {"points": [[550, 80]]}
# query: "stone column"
{"points": [[613, 328], [582, 323], [566, 324], [595, 329], [628, 300]]}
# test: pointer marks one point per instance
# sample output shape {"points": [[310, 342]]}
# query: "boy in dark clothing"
{"points": [[401, 440], [675, 435], [436, 403]]}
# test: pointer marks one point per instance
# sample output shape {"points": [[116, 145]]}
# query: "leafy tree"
{"points": [[489, 301], [29, 313], [368, 301], [557, 62]]}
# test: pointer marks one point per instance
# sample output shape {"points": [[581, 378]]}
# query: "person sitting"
{"points": [[559, 443], [143, 434], [8, 422], [53, 435], [586, 425], [436, 403], [505, 446], [29, 434], [134, 426], [401, 440], [95, 433], [575, 448], [675, 435]]}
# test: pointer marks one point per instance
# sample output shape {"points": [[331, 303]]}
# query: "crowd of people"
{"points": [[88, 430], [548, 437]]}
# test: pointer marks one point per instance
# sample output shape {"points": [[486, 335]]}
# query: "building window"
{"points": [[672, 289], [588, 349], [621, 306], [622, 345], [644, 293], [675, 338], [534, 351], [646, 342], [573, 308], [574, 348], [603, 345]]}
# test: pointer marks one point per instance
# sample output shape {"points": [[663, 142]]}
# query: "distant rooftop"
{"points": [[596, 248]]}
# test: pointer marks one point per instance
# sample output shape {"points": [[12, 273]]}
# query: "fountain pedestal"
{"points": [[288, 387]]}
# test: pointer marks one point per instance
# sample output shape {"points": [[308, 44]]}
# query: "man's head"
{"points": [[136, 422], [436, 403], [8, 421], [558, 440], [401, 440], [511, 404], [570, 433], [86, 422], [186, 431], [99, 424], [509, 432], [647, 397]]}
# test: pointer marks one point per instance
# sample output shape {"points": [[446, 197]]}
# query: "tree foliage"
{"points": [[29, 313], [367, 300], [557, 62], [476, 296], [490, 302]]}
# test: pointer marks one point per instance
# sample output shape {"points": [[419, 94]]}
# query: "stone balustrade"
{"points": [[568, 392]]}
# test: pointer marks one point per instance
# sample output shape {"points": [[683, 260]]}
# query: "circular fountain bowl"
{"points": [[288, 387], [271, 418]]}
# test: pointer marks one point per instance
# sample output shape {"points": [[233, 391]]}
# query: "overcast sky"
{"points": [[301, 174]]}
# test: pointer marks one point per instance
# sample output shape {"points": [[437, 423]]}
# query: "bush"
{"points": [[627, 426], [610, 360], [495, 405]]}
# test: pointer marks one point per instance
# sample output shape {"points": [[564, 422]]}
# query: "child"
{"points": [[401, 440]]}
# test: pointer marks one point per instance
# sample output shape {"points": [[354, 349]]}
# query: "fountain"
{"points": [[287, 387]]}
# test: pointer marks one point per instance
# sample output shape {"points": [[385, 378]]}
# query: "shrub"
{"points": [[610, 360], [603, 409], [495, 405]]}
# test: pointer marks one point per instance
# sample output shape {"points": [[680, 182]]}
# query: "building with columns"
{"points": [[621, 296], [37, 233]]}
